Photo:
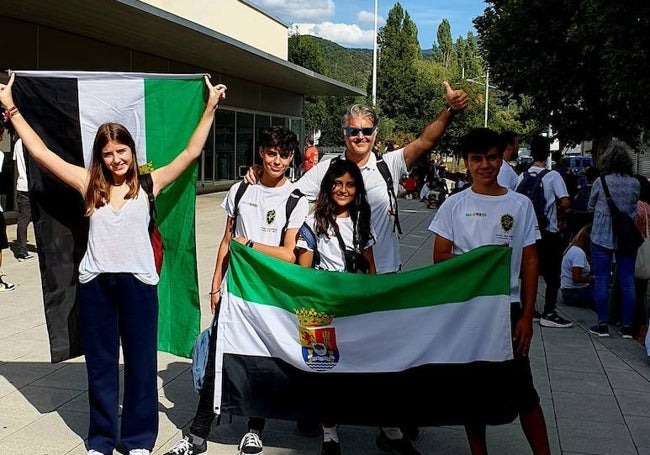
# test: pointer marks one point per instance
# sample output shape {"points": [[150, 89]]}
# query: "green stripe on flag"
{"points": [[258, 278], [173, 109]]}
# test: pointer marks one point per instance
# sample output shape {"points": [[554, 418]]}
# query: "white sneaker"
{"points": [[139, 452], [251, 444]]}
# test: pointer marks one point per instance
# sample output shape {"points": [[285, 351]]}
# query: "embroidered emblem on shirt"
{"points": [[270, 216], [506, 221]]}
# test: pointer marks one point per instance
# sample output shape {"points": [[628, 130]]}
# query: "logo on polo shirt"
{"points": [[506, 222], [270, 217]]}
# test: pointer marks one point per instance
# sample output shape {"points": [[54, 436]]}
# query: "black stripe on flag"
{"points": [[447, 394], [51, 107]]}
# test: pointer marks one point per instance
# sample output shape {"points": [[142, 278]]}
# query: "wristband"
{"points": [[10, 112], [215, 292], [451, 110], [250, 243]]}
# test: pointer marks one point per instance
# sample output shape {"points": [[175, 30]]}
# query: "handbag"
{"points": [[355, 261], [628, 237], [642, 263]]}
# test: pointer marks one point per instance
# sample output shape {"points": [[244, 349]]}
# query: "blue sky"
{"points": [[350, 22]]}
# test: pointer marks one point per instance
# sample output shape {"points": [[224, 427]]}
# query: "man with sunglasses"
{"points": [[260, 218]]}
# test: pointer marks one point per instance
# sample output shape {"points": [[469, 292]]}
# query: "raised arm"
{"points": [[221, 266], [75, 176], [457, 100], [167, 174]]}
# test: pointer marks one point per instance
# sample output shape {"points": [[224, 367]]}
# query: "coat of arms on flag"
{"points": [[318, 339]]}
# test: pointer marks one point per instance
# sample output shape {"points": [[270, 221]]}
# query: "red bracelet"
{"points": [[10, 112]]}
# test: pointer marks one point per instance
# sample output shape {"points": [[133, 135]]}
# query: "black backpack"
{"points": [[292, 202], [533, 188]]}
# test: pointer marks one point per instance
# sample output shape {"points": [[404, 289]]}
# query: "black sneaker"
{"points": [[6, 287], [600, 330], [626, 332], [186, 447], [330, 448], [555, 321], [251, 444], [396, 446], [24, 257]]}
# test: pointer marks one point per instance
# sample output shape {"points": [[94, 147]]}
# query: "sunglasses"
{"points": [[350, 131], [283, 155]]}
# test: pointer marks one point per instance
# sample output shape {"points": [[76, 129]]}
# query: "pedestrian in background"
{"points": [[23, 205], [4, 242]]}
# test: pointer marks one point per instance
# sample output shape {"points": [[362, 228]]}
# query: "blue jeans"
{"points": [[114, 307], [582, 297], [602, 258]]}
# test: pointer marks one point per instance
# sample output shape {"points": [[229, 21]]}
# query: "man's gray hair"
{"points": [[359, 110]]}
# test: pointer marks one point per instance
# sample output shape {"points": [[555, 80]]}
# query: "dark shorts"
{"points": [[528, 399], [4, 242]]}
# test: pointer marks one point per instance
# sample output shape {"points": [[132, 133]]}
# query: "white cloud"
{"points": [[298, 10], [343, 34], [367, 17]]}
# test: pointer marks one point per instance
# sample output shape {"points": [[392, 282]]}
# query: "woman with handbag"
{"points": [[613, 196], [642, 264], [117, 292]]}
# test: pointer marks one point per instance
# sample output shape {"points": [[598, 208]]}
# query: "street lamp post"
{"points": [[487, 92]]}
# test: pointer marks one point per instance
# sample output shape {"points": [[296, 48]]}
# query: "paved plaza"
{"points": [[595, 392]]}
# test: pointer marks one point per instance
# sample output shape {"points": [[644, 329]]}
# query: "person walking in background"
{"points": [[338, 237], [616, 167], [508, 178], [577, 280], [23, 205], [310, 155], [548, 205], [4, 242], [117, 292]]}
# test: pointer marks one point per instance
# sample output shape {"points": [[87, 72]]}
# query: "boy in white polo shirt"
{"points": [[489, 214]]}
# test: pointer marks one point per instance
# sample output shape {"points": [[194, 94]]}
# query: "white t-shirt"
{"points": [[329, 250], [507, 177], [470, 220], [382, 220], [554, 188], [574, 257], [19, 158], [262, 212], [119, 242]]}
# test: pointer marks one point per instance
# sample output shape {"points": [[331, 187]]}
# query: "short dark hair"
{"points": [[479, 140], [507, 138], [278, 136], [540, 148]]}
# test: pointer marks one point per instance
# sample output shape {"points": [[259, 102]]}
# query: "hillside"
{"points": [[352, 66]]}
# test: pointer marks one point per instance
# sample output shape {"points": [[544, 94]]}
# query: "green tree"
{"points": [[584, 63], [444, 53], [399, 50]]}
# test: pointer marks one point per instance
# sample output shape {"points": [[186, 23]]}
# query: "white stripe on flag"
{"points": [[112, 100]]}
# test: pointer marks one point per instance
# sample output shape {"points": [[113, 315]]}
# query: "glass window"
{"points": [[207, 160], [225, 144], [280, 121], [245, 142], [261, 122]]}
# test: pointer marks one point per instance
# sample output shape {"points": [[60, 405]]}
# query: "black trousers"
{"points": [[549, 255], [24, 217], [205, 411]]}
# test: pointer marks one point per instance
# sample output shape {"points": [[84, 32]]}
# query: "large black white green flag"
{"points": [[431, 346], [161, 111]]}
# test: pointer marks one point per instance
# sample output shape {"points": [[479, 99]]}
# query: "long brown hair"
{"points": [[100, 177]]}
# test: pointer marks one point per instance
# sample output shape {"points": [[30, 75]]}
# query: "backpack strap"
{"points": [[146, 182], [240, 192], [610, 202], [307, 234], [382, 167], [292, 202]]}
